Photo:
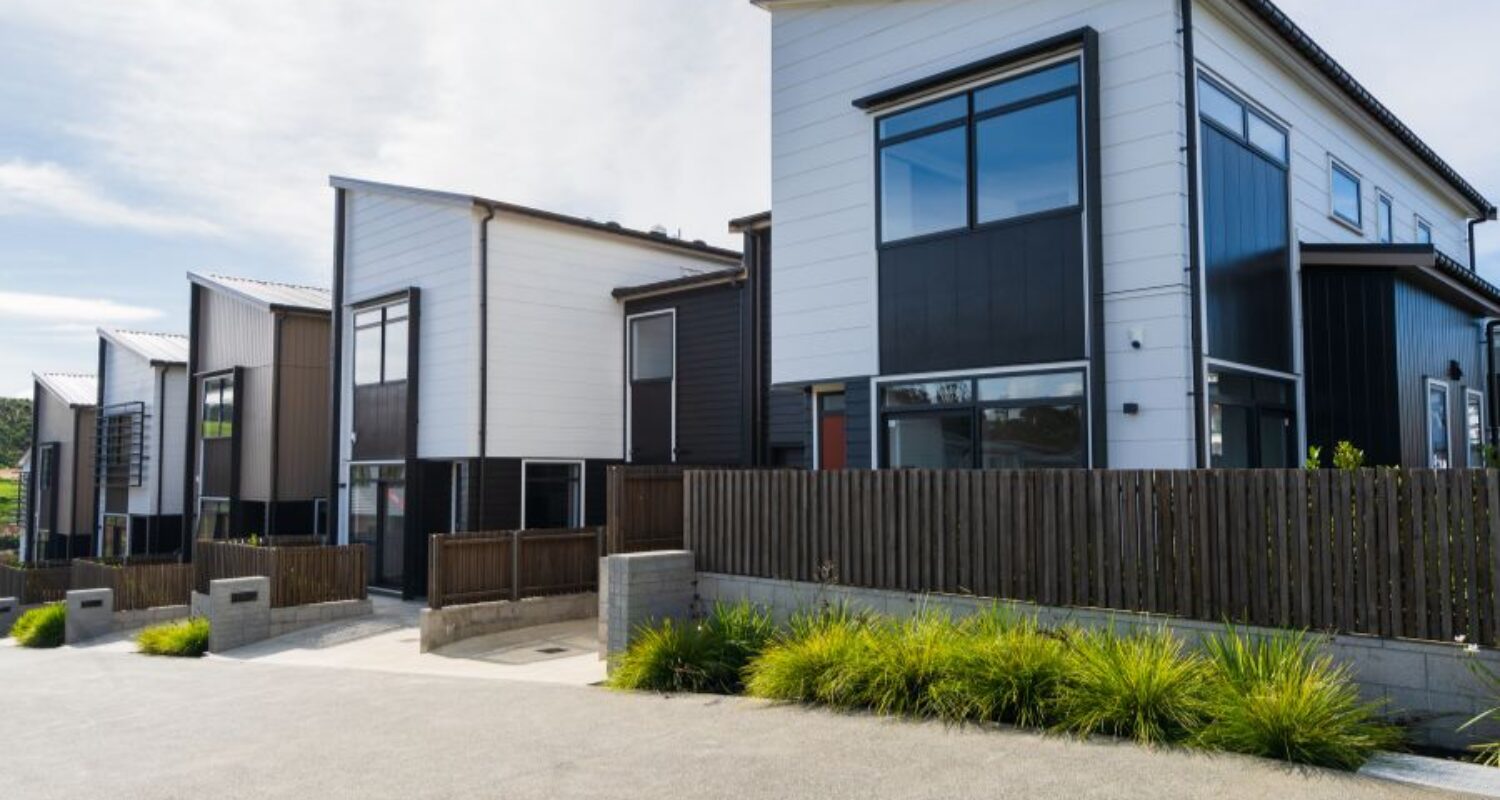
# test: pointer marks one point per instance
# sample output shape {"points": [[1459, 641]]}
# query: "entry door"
{"points": [[377, 520], [45, 508], [653, 379], [833, 443]]}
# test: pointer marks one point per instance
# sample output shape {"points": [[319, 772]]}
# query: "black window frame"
{"points": [[1248, 111], [969, 121], [214, 385], [1257, 406], [977, 407], [578, 509], [385, 322], [1385, 217], [1335, 168]]}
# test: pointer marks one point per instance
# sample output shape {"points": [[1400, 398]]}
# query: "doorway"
{"points": [[377, 520], [833, 442], [652, 387]]}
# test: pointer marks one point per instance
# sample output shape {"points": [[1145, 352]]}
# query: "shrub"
{"points": [[1277, 697], [894, 665], [1141, 686], [1008, 674], [710, 656], [185, 638], [42, 627], [800, 665], [1347, 457]]}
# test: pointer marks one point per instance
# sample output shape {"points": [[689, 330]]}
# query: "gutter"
{"points": [[484, 355], [1190, 95]]}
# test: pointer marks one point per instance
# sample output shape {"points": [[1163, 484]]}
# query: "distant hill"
{"points": [[15, 429]]}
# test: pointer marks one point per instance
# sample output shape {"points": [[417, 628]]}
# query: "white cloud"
{"points": [[46, 188], [71, 312]]}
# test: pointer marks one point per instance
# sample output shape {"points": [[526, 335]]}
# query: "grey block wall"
{"points": [[10, 609], [636, 588], [444, 626]]}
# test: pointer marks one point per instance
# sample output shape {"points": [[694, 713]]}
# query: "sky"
{"points": [[143, 140]]}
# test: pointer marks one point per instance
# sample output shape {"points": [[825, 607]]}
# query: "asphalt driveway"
{"points": [[101, 723]]}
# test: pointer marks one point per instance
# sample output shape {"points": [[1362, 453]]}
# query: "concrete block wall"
{"points": [[444, 626], [92, 614], [239, 612], [295, 618], [10, 610], [635, 588]]}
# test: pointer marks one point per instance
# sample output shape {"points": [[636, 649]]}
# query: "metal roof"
{"points": [[750, 222], [1413, 260], [695, 281], [268, 294], [696, 246], [69, 387], [158, 348]]}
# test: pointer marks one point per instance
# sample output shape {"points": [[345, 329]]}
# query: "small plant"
{"points": [[1010, 672], [253, 540], [185, 638], [1347, 457], [801, 665], [1141, 686], [46, 626], [1491, 456], [1487, 753], [1277, 697], [707, 656], [1314, 458]]}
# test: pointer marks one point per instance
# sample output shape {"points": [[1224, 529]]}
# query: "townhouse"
{"points": [[139, 466], [256, 427], [492, 360], [1131, 233], [60, 496]]}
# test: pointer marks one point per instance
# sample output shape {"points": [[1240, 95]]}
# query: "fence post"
{"points": [[434, 573], [515, 565]]}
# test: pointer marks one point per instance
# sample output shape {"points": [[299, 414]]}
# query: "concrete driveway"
{"points": [[100, 723]]}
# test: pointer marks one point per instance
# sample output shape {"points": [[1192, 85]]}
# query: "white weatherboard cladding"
{"points": [[824, 298], [174, 416], [395, 242], [1322, 122], [556, 346], [129, 378]]}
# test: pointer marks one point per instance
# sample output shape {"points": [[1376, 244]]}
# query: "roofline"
{"points": [[674, 285], [210, 282], [1423, 257], [452, 198], [41, 379], [751, 222], [112, 335], [1289, 32]]}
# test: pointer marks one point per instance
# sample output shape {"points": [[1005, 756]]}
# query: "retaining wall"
{"points": [[10, 610], [450, 624], [1426, 685], [92, 614], [239, 612]]}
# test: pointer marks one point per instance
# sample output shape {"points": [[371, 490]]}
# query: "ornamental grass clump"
{"points": [[1003, 673], [803, 664], [183, 639], [894, 665], [707, 656], [1140, 686], [1278, 697], [46, 626]]}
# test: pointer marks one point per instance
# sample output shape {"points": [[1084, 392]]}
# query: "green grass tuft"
{"points": [[46, 626], [1277, 697], [710, 656], [893, 665], [1141, 686], [1010, 673], [185, 638], [802, 665]]}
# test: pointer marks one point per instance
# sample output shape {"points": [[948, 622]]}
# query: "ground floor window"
{"points": [[116, 535], [552, 494], [213, 518], [1252, 421], [1474, 426], [377, 519], [1439, 453], [991, 422]]}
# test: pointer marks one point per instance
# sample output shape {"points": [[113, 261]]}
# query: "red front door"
{"points": [[832, 438]]}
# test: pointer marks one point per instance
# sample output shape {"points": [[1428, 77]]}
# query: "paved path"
{"points": [[100, 723]]}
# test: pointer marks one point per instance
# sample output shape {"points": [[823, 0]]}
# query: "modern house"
{"points": [[493, 359], [60, 492], [257, 416], [1130, 233], [138, 465]]}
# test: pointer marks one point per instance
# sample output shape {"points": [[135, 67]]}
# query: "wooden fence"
{"points": [[299, 574], [138, 583], [46, 582], [1395, 553], [509, 565], [645, 509]]}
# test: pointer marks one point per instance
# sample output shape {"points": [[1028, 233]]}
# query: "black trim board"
{"points": [[1198, 391], [335, 366], [974, 69], [190, 440]]}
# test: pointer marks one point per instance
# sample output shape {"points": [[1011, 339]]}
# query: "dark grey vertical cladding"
{"points": [[1431, 333], [713, 404], [501, 493], [758, 244], [246, 517], [596, 491], [1008, 294], [1247, 260], [789, 426], [857, 424], [1349, 362], [294, 517], [380, 424]]}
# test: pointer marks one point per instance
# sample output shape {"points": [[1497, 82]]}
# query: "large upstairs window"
{"points": [[380, 339], [218, 407], [1006, 150]]}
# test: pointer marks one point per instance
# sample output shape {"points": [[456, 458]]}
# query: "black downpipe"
{"points": [[190, 440], [154, 535], [268, 523], [98, 521], [31, 476], [1190, 92], [336, 373], [1492, 401], [484, 356]]}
